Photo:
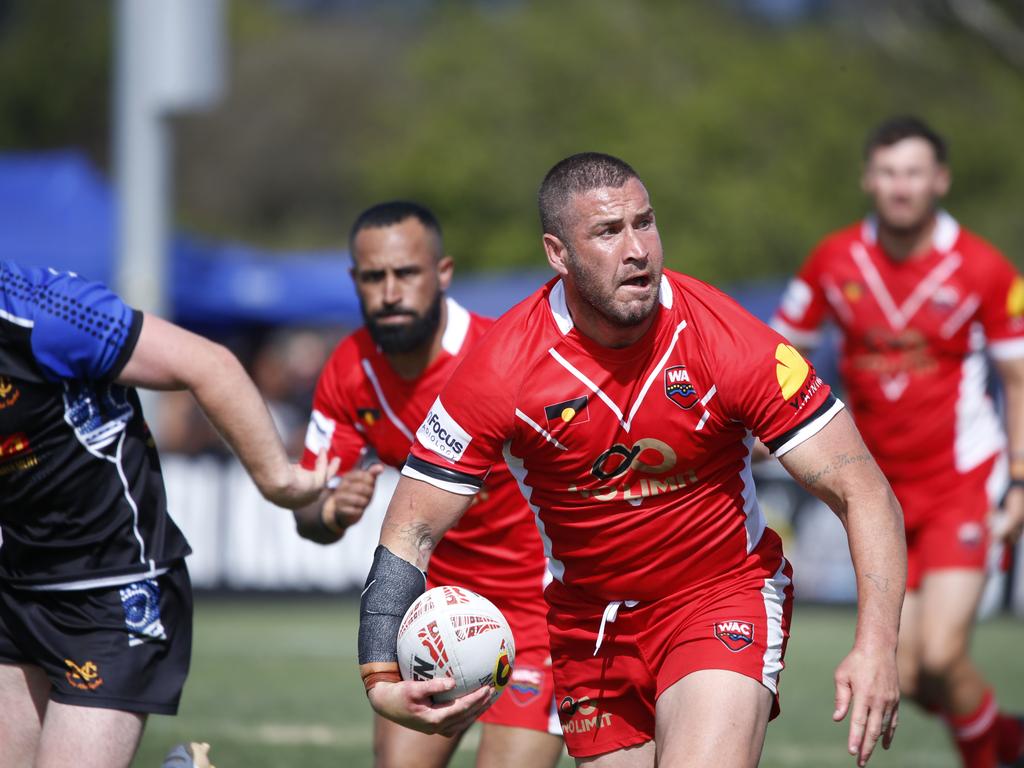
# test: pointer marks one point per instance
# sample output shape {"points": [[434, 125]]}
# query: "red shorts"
{"points": [[607, 701], [528, 699], [947, 522]]}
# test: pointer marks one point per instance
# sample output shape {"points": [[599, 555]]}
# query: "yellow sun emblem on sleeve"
{"points": [[791, 370], [1015, 298]]}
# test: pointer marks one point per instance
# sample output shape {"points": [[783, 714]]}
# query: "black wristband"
{"points": [[392, 585], [1017, 482]]}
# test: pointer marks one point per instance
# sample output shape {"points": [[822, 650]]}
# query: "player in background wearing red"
{"points": [[626, 399], [919, 300], [372, 394]]}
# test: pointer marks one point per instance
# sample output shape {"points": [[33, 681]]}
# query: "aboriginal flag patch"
{"points": [[560, 415]]}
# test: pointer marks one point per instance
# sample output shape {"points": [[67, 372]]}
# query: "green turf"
{"points": [[274, 684]]}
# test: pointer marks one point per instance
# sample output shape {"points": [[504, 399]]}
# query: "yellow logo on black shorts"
{"points": [[85, 677]]}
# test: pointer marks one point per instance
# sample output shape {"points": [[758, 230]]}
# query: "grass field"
{"points": [[274, 684]]}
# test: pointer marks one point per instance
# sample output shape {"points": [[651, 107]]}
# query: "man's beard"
{"points": [[407, 337], [617, 313]]}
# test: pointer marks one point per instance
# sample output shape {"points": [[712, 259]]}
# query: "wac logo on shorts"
{"points": [[442, 434], [678, 388], [735, 635]]}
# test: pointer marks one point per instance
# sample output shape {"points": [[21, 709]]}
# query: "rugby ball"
{"points": [[454, 632]]}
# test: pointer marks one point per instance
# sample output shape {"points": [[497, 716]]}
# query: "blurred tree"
{"points": [[55, 74]]}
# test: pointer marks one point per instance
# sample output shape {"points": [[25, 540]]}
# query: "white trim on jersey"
{"points": [[960, 315], [463, 489], [1006, 349], [540, 430], [754, 521], [805, 339], [704, 401], [24, 322], [584, 379], [835, 298], [456, 328], [810, 429], [978, 433], [384, 401], [319, 432], [515, 465], [774, 593], [944, 236], [563, 318], [900, 316], [107, 581], [559, 309]]}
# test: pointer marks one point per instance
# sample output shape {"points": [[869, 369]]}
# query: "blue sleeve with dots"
{"points": [[79, 329]]}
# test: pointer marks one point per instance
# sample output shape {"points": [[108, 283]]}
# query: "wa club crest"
{"points": [[678, 388]]}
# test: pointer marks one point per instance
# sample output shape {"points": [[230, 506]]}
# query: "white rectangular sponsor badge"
{"points": [[442, 434]]}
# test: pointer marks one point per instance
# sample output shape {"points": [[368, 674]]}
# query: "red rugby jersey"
{"points": [[360, 401], [914, 336], [636, 461]]}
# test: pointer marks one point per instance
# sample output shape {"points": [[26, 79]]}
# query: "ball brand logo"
{"points": [[441, 434], [422, 669], [678, 387], [735, 635], [430, 638], [502, 669]]}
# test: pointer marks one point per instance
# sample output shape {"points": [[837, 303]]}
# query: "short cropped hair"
{"points": [[896, 129], [572, 176], [395, 212]]}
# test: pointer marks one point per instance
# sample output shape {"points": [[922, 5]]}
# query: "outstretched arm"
{"points": [[836, 466], [168, 357]]}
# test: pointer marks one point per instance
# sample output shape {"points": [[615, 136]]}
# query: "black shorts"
{"points": [[125, 647]]}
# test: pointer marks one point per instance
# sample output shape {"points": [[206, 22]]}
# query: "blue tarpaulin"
{"points": [[57, 211]]}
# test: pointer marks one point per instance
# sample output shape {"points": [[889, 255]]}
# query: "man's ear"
{"points": [[556, 252], [445, 270]]}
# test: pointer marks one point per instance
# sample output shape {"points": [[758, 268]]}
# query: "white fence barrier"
{"points": [[241, 542]]}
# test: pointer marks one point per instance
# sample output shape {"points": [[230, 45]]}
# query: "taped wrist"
{"points": [[391, 587]]}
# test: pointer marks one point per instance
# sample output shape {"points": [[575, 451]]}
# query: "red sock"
{"points": [[1009, 738], [975, 733]]}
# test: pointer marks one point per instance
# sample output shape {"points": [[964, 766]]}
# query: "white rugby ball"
{"points": [[454, 632]]}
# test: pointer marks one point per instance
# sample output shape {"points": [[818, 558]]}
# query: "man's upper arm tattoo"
{"points": [[837, 463]]}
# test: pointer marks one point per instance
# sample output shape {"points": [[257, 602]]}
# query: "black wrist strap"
{"points": [[392, 585]]}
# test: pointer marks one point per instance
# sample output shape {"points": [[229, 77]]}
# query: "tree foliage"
{"points": [[748, 136]]}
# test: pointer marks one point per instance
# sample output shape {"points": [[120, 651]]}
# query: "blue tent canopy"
{"points": [[57, 211]]}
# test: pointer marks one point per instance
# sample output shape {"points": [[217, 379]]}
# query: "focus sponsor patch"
{"points": [[735, 635], [319, 432], [442, 434]]}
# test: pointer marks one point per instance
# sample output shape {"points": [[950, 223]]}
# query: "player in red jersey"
{"points": [[372, 394], [626, 399], [919, 300]]}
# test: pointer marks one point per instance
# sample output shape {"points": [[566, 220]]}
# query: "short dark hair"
{"points": [[896, 129], [576, 174], [394, 212]]}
